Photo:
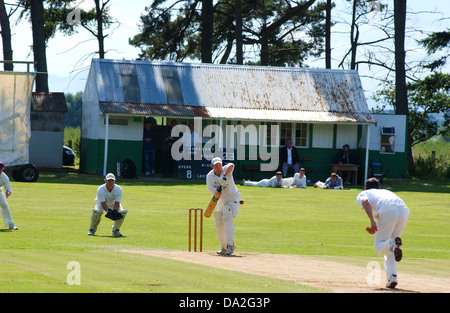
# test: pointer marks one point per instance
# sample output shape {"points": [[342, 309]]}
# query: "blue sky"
{"points": [[68, 56]]}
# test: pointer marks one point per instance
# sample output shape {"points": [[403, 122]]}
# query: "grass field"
{"points": [[53, 218]]}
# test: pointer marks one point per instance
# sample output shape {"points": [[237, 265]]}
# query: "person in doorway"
{"points": [[168, 162], [149, 148], [191, 139]]}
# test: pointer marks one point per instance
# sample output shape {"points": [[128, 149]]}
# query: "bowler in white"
{"points": [[391, 216]]}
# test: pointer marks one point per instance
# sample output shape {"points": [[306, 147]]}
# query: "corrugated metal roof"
{"points": [[153, 109], [48, 102], [291, 115], [232, 91]]}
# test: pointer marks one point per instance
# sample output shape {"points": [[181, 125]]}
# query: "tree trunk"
{"points": [[401, 96], [328, 35], [39, 46], [207, 30], [353, 37], [264, 46], [401, 99], [239, 42], [100, 37], [6, 37]]}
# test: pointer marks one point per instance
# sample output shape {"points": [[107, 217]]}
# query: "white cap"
{"points": [[110, 176], [216, 160]]}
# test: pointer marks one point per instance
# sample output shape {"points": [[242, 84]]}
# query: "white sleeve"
{"points": [[100, 195], [296, 180], [360, 197], [6, 182], [273, 182], [303, 182], [119, 194], [210, 184]]}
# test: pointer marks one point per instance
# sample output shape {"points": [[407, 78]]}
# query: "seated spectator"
{"points": [[332, 182], [344, 157], [276, 181], [289, 158], [299, 180]]}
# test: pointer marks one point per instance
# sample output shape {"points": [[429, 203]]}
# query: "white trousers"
{"points": [[96, 217], [390, 224], [227, 210], [261, 183], [6, 214]]}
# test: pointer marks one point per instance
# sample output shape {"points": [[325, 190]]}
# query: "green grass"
{"points": [[432, 158], [437, 144], [53, 219]]}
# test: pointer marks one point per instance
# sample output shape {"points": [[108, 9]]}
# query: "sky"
{"points": [[68, 58]]}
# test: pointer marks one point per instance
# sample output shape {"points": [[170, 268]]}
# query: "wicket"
{"points": [[195, 228]]}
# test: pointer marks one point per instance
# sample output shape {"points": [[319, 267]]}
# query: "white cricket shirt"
{"points": [[103, 195], [212, 182], [379, 199]]}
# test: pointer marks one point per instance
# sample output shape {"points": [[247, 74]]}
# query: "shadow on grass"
{"points": [[71, 176]]}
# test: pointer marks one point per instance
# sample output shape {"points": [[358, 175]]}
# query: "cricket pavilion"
{"points": [[319, 110]]}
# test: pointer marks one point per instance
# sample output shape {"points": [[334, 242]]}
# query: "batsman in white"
{"points": [[6, 214], [391, 216], [109, 196], [228, 204]]}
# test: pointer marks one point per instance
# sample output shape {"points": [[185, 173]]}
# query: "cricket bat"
{"points": [[213, 202]]}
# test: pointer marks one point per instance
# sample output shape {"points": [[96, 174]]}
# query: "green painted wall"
{"points": [[92, 154], [394, 165], [319, 168]]}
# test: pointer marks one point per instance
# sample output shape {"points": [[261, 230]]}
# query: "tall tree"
{"points": [[170, 36], [239, 43], [6, 37], [437, 42], [328, 34], [39, 44], [427, 96], [354, 36], [401, 95], [99, 8], [269, 30], [95, 21], [374, 52], [207, 30], [401, 98]]}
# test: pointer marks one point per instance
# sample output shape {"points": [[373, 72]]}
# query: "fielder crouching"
{"points": [[228, 204], [109, 196]]}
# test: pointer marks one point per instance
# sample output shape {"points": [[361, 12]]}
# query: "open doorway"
{"points": [[157, 143]]}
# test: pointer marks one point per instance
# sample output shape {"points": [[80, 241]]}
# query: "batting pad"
{"points": [[220, 229]]}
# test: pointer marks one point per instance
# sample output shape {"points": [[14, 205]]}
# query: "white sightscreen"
{"points": [[15, 103]]}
